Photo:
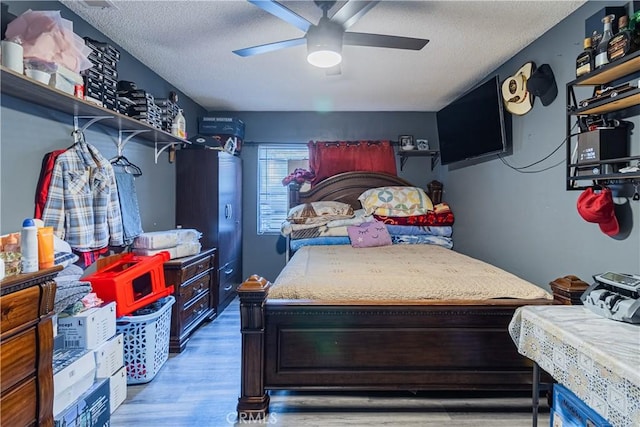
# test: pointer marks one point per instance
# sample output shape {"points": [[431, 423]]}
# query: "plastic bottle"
{"points": [[179, 126], [45, 247], [29, 246]]}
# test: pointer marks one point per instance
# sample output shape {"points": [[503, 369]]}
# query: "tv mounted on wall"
{"points": [[474, 125]]}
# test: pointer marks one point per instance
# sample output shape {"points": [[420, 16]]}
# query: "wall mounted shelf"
{"points": [[625, 69], [22, 87], [405, 154]]}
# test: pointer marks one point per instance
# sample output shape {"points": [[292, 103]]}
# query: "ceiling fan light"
{"points": [[324, 44], [324, 58]]}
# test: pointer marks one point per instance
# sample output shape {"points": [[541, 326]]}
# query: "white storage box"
{"points": [[109, 357], [156, 240], [90, 328], [146, 341], [73, 374], [182, 250], [173, 252], [188, 235], [117, 388], [65, 80]]}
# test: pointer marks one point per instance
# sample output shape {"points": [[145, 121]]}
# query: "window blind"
{"points": [[273, 167]]}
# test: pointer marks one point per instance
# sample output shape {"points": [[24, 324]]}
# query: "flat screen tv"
{"points": [[474, 125]]}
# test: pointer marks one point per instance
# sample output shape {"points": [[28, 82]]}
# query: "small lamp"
{"points": [[324, 44]]}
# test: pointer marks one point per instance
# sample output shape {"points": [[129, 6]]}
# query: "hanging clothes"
{"points": [[328, 158], [129, 209], [42, 189], [82, 204]]}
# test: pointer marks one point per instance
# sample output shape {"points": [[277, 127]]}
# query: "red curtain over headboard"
{"points": [[328, 158]]}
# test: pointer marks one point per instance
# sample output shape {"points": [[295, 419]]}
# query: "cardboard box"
{"points": [[109, 357], [90, 328], [221, 126], [90, 409], [74, 371], [118, 388]]}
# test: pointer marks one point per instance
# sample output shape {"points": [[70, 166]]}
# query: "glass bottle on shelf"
{"points": [[601, 50], [622, 43], [585, 62]]}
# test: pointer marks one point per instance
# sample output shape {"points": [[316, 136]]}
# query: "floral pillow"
{"points": [[319, 212], [396, 201], [369, 234]]}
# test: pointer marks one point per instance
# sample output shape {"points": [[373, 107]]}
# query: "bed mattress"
{"points": [[395, 272]]}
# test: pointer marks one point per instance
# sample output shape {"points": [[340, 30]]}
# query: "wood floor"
{"points": [[200, 387]]}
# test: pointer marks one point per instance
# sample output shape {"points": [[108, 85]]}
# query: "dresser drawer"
{"points": [[18, 358], [193, 289], [19, 308], [18, 407], [196, 310], [229, 277], [175, 276]]}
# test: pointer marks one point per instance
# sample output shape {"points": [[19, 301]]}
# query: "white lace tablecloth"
{"points": [[598, 359]]}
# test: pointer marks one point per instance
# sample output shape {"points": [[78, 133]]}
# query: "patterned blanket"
{"points": [[395, 272]]}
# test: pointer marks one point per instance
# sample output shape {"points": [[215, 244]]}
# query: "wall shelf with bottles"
{"points": [[623, 102], [22, 87], [405, 154]]}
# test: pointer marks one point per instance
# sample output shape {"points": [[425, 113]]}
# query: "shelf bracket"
{"points": [[121, 143], [92, 120], [403, 160], [164, 145], [434, 159]]}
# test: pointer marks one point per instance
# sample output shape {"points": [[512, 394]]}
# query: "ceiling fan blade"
{"points": [[380, 40], [269, 47], [279, 11], [351, 12]]}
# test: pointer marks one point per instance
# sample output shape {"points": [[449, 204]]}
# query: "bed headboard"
{"points": [[344, 187]]}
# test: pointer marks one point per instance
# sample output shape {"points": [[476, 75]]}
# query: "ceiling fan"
{"points": [[325, 40]]}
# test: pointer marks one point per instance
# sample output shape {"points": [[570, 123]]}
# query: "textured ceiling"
{"points": [[190, 44]]}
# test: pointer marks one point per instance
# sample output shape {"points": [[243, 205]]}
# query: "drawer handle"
{"points": [[229, 271], [200, 309], [227, 288]]}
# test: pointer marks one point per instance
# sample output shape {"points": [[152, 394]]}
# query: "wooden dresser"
{"points": [[26, 348], [194, 279]]}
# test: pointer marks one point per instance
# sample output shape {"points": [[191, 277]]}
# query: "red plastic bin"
{"points": [[133, 281]]}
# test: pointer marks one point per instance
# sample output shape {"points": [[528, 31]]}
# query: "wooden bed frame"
{"points": [[373, 345]]}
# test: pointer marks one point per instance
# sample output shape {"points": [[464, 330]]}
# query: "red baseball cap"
{"points": [[599, 208]]}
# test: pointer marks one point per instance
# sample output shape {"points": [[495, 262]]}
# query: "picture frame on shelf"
{"points": [[422, 144], [406, 142]]}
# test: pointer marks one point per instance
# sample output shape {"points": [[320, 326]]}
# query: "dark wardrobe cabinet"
{"points": [[209, 199]]}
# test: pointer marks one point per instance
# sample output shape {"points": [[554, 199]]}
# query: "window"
{"points": [[274, 163]]}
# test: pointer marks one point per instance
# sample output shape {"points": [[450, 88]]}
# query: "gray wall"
{"points": [[525, 223], [29, 131], [264, 254], [528, 223]]}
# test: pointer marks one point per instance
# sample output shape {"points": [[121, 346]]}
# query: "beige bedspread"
{"points": [[396, 272]]}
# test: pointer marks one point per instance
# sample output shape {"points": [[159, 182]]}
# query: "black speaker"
{"points": [[602, 144]]}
